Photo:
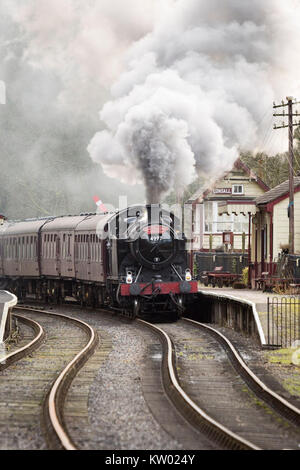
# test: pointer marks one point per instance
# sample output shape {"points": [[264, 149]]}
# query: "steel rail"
{"points": [[18, 354], [278, 403], [56, 396], [209, 425]]}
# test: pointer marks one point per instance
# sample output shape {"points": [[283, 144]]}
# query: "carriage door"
{"points": [[58, 252], [67, 258], [89, 257]]}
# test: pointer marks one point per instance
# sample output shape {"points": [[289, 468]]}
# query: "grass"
{"points": [[288, 360], [282, 356]]}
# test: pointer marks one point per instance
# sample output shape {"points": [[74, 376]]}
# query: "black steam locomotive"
{"points": [[133, 261]]}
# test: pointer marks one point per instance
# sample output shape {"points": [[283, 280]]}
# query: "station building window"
{"points": [[238, 189], [215, 223]]}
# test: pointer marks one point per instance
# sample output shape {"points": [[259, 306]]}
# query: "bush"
{"points": [[245, 276]]}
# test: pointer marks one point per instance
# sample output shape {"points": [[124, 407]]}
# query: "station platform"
{"points": [[259, 298], [7, 301]]}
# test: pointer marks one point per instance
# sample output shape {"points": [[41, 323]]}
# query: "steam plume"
{"points": [[195, 91]]}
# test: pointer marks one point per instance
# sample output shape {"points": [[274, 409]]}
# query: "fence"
{"points": [[232, 262], [283, 321]]}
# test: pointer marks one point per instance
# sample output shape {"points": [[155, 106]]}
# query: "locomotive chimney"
{"points": [[153, 195]]}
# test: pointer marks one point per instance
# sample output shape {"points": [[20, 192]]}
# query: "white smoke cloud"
{"points": [[82, 42], [196, 89], [2, 92], [58, 59]]}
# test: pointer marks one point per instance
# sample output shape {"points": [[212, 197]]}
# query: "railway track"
{"points": [[126, 386], [200, 380], [273, 399], [203, 375], [9, 358], [38, 385]]}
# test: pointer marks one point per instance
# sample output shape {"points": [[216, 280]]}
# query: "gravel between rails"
{"points": [[23, 386], [117, 401]]}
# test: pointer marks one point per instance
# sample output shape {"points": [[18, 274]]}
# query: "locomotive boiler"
{"points": [[133, 261]]}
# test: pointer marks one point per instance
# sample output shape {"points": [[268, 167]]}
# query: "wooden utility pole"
{"points": [[291, 210]]}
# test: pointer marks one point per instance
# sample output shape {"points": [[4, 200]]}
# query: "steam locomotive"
{"points": [[133, 261]]}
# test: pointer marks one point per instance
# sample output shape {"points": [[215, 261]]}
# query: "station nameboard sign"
{"points": [[223, 191]]}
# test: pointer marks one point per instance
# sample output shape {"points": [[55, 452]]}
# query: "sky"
{"points": [[147, 95]]}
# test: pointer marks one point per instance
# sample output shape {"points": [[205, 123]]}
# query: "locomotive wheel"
{"points": [[128, 314]]}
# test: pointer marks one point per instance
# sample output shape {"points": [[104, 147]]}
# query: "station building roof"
{"points": [[277, 192]]}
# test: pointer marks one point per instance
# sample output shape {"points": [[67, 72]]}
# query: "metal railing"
{"points": [[283, 321]]}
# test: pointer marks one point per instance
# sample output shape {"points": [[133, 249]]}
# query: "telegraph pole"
{"points": [[291, 124]]}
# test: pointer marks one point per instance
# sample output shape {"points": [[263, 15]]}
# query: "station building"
{"points": [[270, 228], [222, 213]]}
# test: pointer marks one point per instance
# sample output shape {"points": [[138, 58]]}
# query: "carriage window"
{"points": [[95, 247], [44, 247], [52, 246], [76, 247], [69, 245], [92, 248], [87, 247], [64, 246]]}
